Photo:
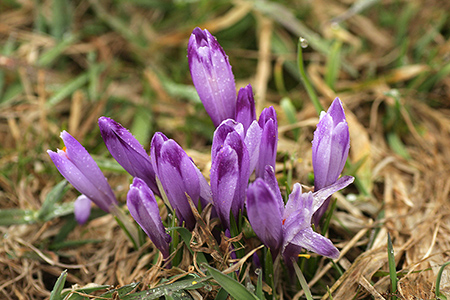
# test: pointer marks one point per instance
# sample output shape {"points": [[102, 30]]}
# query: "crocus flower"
{"points": [[128, 152], [179, 176], [230, 170], [212, 76], [144, 209], [269, 140], [82, 209], [287, 229], [80, 169], [330, 148], [245, 107]]}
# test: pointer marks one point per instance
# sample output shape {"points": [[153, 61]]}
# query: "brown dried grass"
{"points": [[413, 193]]}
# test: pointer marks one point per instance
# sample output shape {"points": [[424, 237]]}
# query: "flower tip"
{"points": [[64, 134]]}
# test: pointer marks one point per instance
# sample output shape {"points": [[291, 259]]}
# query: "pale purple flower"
{"points": [[263, 211], [269, 140], [128, 152], [287, 229], [179, 176], [82, 209], [330, 148], [245, 107], [212, 76], [144, 209], [230, 170], [80, 169]]}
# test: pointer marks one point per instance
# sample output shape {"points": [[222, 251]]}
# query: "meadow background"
{"points": [[63, 64]]}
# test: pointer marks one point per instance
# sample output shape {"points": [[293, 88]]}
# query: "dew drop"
{"points": [[334, 25], [250, 287], [208, 287], [258, 271], [303, 42]]}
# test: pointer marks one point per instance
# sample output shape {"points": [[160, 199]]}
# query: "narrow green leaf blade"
{"points": [[233, 287], [52, 198], [58, 287], [392, 270]]}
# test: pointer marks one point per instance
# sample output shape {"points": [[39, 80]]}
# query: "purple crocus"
{"points": [[128, 152], [230, 170], [144, 209], [78, 167], [269, 140], [179, 176], [212, 76], [82, 209], [287, 229], [330, 148], [245, 107]]}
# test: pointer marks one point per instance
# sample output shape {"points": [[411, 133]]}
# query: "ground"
{"points": [[65, 63]]}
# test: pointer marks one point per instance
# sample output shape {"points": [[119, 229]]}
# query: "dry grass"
{"points": [[126, 70]]}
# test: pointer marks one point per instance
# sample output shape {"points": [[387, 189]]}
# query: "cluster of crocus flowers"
{"points": [[242, 145]]}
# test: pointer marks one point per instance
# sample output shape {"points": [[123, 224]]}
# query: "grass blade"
{"points": [[233, 287], [438, 282], [308, 86], [392, 270], [59, 285], [52, 198], [302, 281]]}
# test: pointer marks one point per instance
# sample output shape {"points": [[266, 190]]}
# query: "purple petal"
{"points": [[268, 147], [321, 151], [128, 152], [315, 242], [323, 194], [294, 202], [221, 134], [82, 209], [330, 149], [331, 144], [297, 214], [272, 183], [336, 110], [264, 215], [178, 176], [245, 107], [69, 163], [253, 142], [78, 155], [144, 209], [212, 76], [224, 182]]}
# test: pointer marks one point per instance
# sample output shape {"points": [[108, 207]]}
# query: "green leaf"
{"points": [[17, 216], [120, 292], [77, 293], [304, 77], [392, 269], [222, 294], [166, 289], [259, 285], [233, 287], [52, 198], [333, 64], [302, 281], [186, 236], [290, 112], [68, 89], [58, 287], [439, 295], [268, 269]]}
